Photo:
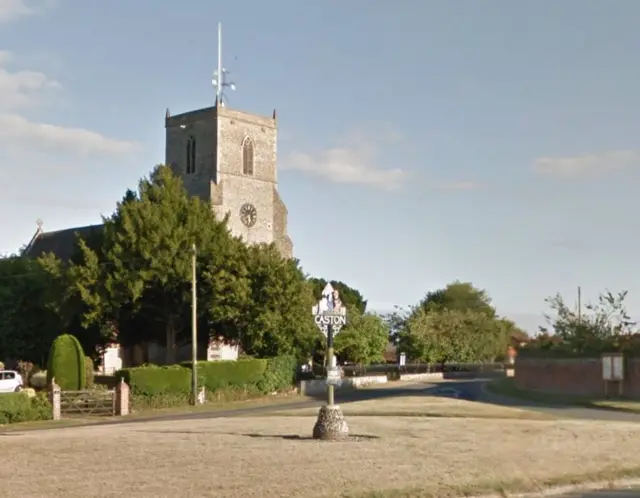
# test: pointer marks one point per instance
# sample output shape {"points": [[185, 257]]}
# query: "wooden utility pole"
{"points": [[194, 330], [579, 305]]}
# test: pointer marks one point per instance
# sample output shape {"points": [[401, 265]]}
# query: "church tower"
{"points": [[228, 158]]}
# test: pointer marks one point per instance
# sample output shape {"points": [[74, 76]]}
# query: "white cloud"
{"points": [[24, 88], [11, 10], [16, 130], [355, 162], [460, 185], [28, 89], [587, 164]]}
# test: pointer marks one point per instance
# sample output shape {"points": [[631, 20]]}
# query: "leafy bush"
{"points": [[1, 366], [88, 372], [20, 407], [66, 363], [25, 369], [39, 380], [279, 374], [108, 381]]}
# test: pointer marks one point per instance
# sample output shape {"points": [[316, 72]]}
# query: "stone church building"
{"points": [[224, 156]]}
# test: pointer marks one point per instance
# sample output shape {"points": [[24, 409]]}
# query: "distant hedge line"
{"points": [[169, 385]]}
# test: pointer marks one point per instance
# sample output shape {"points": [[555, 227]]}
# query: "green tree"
{"points": [[277, 317], [351, 298], [28, 323], [459, 296], [512, 332], [140, 279], [364, 339], [599, 326], [450, 335], [67, 303]]}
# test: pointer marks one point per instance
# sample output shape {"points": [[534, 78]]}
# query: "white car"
{"points": [[10, 381]]}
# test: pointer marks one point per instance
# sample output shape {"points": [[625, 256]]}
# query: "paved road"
{"points": [[471, 390], [474, 390]]}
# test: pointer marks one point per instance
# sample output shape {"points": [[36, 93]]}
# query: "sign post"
{"points": [[613, 371], [330, 315], [330, 323]]}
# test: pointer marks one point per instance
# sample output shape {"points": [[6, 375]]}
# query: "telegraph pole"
{"points": [[579, 305], [194, 330]]}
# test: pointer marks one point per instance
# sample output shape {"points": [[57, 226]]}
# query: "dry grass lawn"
{"points": [[273, 457]]}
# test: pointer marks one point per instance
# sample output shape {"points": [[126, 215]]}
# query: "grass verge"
{"points": [[158, 413], [394, 457], [506, 387], [603, 479]]}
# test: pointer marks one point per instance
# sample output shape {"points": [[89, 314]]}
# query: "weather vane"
{"points": [[220, 75]]}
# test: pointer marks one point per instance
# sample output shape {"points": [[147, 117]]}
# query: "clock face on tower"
{"points": [[248, 215]]}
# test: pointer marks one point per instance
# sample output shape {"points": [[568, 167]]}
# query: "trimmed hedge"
{"points": [[251, 374], [214, 375], [152, 380], [20, 407]]}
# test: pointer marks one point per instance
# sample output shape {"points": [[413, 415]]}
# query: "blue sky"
{"points": [[496, 142]]}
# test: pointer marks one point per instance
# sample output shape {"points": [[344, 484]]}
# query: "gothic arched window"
{"points": [[191, 156], [247, 156]]}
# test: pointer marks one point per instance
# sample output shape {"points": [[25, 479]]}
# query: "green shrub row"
{"points": [[20, 407], [249, 375], [214, 375]]}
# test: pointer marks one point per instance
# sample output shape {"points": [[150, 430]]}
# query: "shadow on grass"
{"points": [[506, 387], [296, 437], [285, 437]]}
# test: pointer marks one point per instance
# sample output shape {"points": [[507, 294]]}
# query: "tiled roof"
{"points": [[62, 243]]}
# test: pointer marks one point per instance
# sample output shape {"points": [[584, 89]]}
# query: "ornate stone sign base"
{"points": [[331, 425]]}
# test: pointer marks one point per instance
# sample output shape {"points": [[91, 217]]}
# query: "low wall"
{"points": [[319, 386], [431, 376], [574, 376], [423, 376]]}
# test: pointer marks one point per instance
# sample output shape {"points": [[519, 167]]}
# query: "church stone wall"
{"points": [[219, 133], [257, 189], [201, 125], [280, 222]]}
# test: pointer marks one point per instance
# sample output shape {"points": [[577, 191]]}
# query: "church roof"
{"points": [[62, 243]]}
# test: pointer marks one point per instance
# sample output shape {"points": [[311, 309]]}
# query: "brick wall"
{"points": [[577, 376]]}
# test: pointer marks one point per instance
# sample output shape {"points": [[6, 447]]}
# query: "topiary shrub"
{"points": [[88, 372], [66, 363]]}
